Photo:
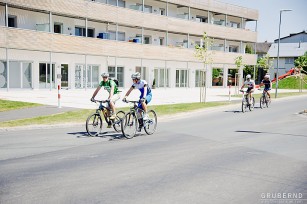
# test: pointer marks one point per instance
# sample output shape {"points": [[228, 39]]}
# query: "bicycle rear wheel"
{"points": [[117, 121], [150, 124], [129, 125], [93, 124]]}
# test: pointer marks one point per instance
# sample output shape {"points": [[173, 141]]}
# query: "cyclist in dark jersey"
{"points": [[267, 84]]}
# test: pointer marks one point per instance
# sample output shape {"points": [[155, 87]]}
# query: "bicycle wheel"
{"points": [[93, 124], [252, 104], [261, 102], [150, 124], [117, 121], [129, 125], [244, 104], [267, 101]]}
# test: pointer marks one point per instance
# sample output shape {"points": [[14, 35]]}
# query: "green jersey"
{"points": [[108, 84]]}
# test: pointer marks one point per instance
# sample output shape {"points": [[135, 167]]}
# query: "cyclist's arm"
{"points": [[129, 91], [111, 92], [96, 91], [145, 90]]}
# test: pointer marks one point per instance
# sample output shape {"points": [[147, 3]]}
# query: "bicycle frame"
{"points": [[135, 109]]}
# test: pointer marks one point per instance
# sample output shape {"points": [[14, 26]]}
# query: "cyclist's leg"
{"points": [[147, 100], [248, 95], [268, 92], [114, 98]]}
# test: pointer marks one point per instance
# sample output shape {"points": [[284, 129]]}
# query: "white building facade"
{"points": [[82, 39]]}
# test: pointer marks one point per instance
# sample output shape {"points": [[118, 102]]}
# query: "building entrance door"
{"points": [[64, 75]]}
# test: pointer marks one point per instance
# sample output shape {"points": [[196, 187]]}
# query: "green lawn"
{"points": [[6, 105], [81, 115], [291, 83]]}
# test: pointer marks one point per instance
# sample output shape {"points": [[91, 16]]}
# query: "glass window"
{"points": [[161, 77], [57, 28], [289, 60], [26, 75], [119, 72], [44, 75], [217, 77], [182, 78], [121, 36], [14, 75], [112, 35], [95, 75], [79, 31], [12, 21], [200, 78], [3, 79], [233, 77]]}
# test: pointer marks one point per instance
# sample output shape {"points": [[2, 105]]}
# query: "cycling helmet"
{"points": [[267, 76], [105, 74], [136, 75], [248, 76]]}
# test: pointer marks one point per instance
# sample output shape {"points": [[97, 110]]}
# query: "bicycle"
{"points": [[94, 122], [135, 119], [245, 102], [264, 99]]}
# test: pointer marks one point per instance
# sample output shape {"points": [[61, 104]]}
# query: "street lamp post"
{"points": [[277, 75]]}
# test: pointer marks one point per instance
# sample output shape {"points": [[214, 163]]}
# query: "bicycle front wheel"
{"points": [[93, 124], [252, 104], [262, 102], [150, 124], [117, 121], [244, 104], [129, 125], [267, 101]]}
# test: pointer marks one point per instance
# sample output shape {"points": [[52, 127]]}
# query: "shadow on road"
{"points": [[110, 135], [273, 133], [239, 111]]}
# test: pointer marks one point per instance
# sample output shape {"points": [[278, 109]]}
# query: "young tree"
{"points": [[202, 54], [301, 63], [265, 63]]}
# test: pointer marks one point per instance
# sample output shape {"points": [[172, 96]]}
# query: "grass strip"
{"points": [[6, 105], [80, 116]]}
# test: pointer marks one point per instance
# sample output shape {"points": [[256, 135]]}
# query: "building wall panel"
{"points": [[41, 41]]}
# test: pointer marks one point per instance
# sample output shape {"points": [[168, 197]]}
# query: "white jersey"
{"points": [[141, 86], [249, 84]]}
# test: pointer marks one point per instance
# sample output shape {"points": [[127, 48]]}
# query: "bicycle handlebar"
{"points": [[103, 101], [127, 101]]}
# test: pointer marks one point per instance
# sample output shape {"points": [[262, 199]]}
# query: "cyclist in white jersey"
{"points": [[143, 87], [250, 86]]}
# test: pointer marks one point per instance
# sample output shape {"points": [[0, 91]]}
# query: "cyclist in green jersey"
{"points": [[111, 87]]}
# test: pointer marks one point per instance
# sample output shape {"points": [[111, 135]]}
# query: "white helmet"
{"points": [[105, 74], [267, 76], [248, 76], [136, 75]]}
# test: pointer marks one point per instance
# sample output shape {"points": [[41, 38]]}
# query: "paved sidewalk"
{"points": [[32, 112], [77, 98], [80, 99]]}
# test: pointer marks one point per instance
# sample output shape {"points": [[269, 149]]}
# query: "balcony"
{"points": [[14, 38]]}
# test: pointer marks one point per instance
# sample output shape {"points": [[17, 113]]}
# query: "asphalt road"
{"points": [[216, 156]]}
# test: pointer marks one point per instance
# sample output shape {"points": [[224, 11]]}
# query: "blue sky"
{"points": [[292, 22]]}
